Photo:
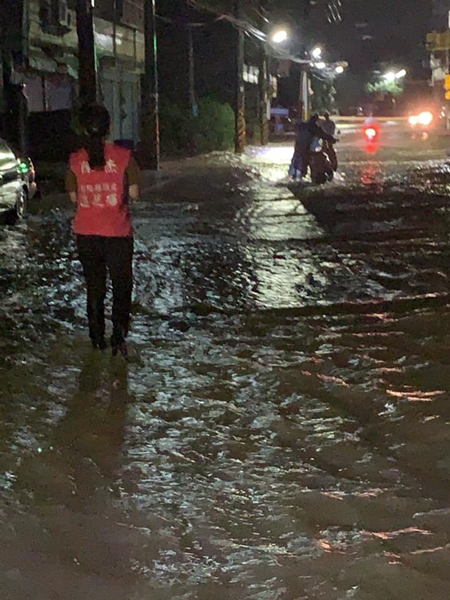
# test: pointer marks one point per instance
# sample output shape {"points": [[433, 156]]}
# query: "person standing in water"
{"points": [[102, 180]]}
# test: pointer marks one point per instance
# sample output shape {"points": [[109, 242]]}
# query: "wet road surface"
{"points": [[282, 429]]}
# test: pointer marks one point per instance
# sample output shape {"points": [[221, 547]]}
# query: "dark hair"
{"points": [[94, 123]]}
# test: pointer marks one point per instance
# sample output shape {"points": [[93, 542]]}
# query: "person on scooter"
{"points": [[299, 164], [316, 130], [102, 180], [306, 133], [328, 125]]}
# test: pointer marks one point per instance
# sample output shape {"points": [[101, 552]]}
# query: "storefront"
{"points": [[120, 92]]}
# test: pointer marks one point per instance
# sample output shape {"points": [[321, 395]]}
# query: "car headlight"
{"points": [[425, 118]]}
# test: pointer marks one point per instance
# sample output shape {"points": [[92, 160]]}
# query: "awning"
{"points": [[71, 63], [48, 64], [42, 63]]}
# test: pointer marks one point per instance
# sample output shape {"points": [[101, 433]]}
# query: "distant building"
{"points": [[40, 52], [439, 46], [440, 15]]}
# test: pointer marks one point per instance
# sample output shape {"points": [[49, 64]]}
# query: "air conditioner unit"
{"points": [[65, 15]]}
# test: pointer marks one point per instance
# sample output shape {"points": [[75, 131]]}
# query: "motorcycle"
{"points": [[331, 153], [371, 133], [320, 164]]}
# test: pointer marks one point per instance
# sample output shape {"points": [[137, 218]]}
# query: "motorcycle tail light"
{"points": [[370, 133]]}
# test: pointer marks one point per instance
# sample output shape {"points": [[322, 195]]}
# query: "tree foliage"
{"points": [[324, 95], [182, 133], [382, 86], [385, 87]]}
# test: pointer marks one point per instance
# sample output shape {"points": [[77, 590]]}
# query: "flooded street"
{"points": [[282, 428]]}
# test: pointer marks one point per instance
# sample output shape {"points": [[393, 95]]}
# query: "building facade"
{"points": [[440, 15], [41, 54], [439, 47]]}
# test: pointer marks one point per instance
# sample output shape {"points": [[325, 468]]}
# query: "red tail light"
{"points": [[371, 133]]}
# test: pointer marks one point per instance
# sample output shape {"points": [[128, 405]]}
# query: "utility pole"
{"points": [[240, 125], [87, 70], [264, 95], [263, 82], [150, 91], [2, 90], [2, 83], [304, 99], [14, 41]]}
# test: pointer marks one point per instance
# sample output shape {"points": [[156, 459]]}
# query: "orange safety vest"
{"points": [[102, 202]]}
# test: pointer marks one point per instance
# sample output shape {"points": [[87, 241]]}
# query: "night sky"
{"points": [[381, 30]]}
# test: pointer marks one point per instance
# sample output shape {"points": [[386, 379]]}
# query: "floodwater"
{"points": [[282, 429]]}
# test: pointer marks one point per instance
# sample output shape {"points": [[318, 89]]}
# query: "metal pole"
{"points": [[150, 91], [192, 97], [87, 70], [115, 12], [240, 125], [264, 95]]}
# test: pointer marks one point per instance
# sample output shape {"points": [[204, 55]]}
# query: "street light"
{"points": [[339, 70], [392, 76], [279, 36], [320, 65], [316, 52]]}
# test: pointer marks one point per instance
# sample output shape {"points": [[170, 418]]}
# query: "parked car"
{"points": [[17, 181], [28, 175]]}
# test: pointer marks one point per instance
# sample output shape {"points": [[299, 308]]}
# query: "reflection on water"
{"points": [[281, 431], [284, 279], [60, 497], [372, 174], [279, 220], [88, 438], [372, 147]]}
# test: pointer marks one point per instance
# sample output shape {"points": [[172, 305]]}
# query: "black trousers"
{"points": [[98, 255]]}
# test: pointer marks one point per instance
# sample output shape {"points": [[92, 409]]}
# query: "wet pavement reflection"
{"points": [[282, 429]]}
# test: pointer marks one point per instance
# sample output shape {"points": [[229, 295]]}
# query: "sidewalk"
{"points": [[181, 178]]}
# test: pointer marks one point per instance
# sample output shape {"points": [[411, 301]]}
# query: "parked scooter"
{"points": [[320, 164]]}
